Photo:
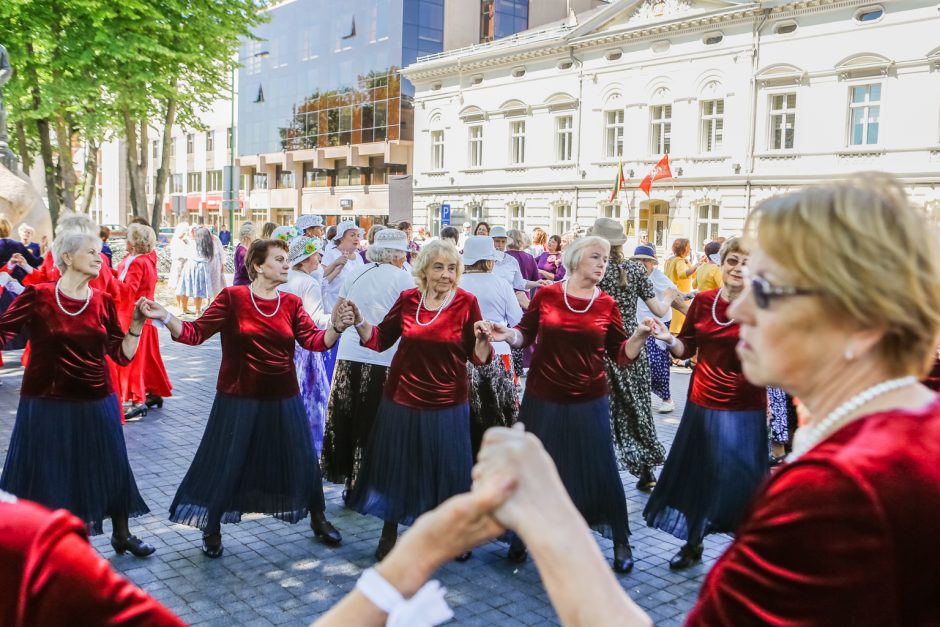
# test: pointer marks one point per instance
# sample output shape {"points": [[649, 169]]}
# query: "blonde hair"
{"points": [[5, 227], [732, 245], [142, 238], [429, 254], [572, 255], [872, 255]]}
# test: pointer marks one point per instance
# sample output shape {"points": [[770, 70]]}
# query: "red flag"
{"points": [[619, 182], [659, 171]]}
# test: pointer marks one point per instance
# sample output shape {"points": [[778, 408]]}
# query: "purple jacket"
{"points": [[241, 272], [551, 262], [530, 271]]}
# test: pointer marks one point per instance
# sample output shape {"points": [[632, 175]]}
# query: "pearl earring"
{"points": [[849, 354]]}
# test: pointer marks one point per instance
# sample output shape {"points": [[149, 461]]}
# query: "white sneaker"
{"points": [[666, 407]]}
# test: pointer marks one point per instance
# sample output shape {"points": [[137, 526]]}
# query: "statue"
{"points": [[6, 71]]}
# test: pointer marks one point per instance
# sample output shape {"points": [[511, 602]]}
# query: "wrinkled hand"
{"points": [[150, 309], [17, 259], [657, 329], [342, 317], [482, 329], [139, 316], [357, 315], [499, 332]]}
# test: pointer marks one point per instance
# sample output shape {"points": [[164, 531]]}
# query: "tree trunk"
{"points": [[45, 141], [163, 173], [23, 147], [90, 179], [137, 162], [66, 170]]}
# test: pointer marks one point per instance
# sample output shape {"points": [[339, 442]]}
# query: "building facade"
{"points": [[747, 99]]}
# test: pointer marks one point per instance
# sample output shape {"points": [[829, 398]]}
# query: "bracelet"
{"points": [[335, 330], [516, 337], [129, 332], [426, 607], [167, 317], [359, 324]]}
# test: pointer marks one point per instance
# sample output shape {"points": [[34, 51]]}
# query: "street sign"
{"points": [[445, 214]]}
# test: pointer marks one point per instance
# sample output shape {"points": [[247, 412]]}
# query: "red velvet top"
{"points": [[68, 352], [140, 280], [719, 382], [429, 370], [846, 535], [257, 352], [568, 363], [51, 576]]}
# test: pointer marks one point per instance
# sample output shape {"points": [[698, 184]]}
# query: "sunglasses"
{"points": [[765, 293], [734, 261]]}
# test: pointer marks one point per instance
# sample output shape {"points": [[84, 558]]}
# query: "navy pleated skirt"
{"points": [[578, 438], [415, 460], [71, 455], [256, 456], [717, 462]]}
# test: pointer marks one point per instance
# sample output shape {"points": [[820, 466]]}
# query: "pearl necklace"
{"points": [[253, 302], [443, 305], [842, 415], [715, 311], [66, 311], [564, 291]]}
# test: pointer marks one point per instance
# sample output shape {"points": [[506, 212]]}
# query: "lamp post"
{"points": [[232, 191]]}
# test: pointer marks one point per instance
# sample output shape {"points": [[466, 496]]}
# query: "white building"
{"points": [[748, 100]]}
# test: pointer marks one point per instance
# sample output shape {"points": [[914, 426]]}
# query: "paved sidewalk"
{"points": [[275, 573]]}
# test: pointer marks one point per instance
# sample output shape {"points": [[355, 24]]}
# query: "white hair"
{"points": [[76, 222], [379, 254], [67, 242], [247, 230], [571, 256]]}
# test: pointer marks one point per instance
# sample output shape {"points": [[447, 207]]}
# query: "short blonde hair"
{"points": [[5, 227], [732, 245], [141, 238], [872, 255], [572, 255], [247, 230], [429, 254]]}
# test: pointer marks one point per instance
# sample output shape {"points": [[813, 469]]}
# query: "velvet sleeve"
{"points": [[469, 336], [529, 325], [16, 315], [687, 333], [116, 335], [615, 337], [208, 324], [306, 332], [814, 551], [386, 333]]}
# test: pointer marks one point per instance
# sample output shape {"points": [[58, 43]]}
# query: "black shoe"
{"points": [[135, 545], [517, 553], [323, 530], [154, 401], [212, 544], [623, 558], [464, 557], [135, 413], [647, 480], [386, 544], [686, 557]]}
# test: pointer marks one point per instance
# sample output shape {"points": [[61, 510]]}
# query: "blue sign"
{"points": [[445, 214]]}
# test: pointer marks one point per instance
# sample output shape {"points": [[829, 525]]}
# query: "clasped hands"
{"points": [[345, 314]]}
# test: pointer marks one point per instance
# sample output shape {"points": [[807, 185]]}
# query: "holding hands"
{"points": [[655, 328], [344, 316], [153, 310]]}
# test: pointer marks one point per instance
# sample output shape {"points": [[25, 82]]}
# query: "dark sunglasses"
{"points": [[734, 261], [765, 293]]}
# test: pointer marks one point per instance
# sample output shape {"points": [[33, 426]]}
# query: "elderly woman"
{"points": [[719, 456], [310, 225], [143, 382], [679, 269], [10, 247], [26, 233], [549, 262], [494, 400], [67, 448], [195, 280], [257, 453], [482, 228], [303, 281], [370, 239], [574, 325], [360, 372], [516, 248], [247, 233], [419, 452]]}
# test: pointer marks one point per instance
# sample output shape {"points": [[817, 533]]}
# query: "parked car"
{"points": [[164, 235]]}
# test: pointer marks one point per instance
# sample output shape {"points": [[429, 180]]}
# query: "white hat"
{"points": [[308, 221], [478, 248], [498, 231], [284, 233], [467, 225], [392, 239], [302, 247], [347, 225]]}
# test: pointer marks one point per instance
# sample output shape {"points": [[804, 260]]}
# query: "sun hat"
{"points": [[478, 248], [346, 225], [609, 229], [391, 239], [644, 251], [284, 233], [302, 247], [498, 231], [308, 221]]}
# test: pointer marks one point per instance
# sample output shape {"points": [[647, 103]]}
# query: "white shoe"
{"points": [[666, 407]]}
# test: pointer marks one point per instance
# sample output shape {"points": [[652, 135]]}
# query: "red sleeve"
{"points": [[115, 335], [16, 315], [45, 272], [132, 280], [469, 336], [306, 332], [386, 333], [615, 339], [529, 325], [208, 324], [687, 333], [66, 581], [814, 551]]}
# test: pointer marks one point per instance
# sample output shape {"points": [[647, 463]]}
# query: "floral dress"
{"points": [[630, 412]]}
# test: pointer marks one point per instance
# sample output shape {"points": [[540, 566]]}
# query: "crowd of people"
{"points": [[395, 368]]}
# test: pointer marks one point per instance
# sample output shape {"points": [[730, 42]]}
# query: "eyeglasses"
{"points": [[734, 261], [765, 293]]}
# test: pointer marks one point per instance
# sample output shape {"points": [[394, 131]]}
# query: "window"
{"points": [[713, 124], [173, 147], [476, 146], [706, 225], [155, 149], [437, 150], [316, 177], [516, 217], [614, 129], [285, 178], [611, 210], [564, 137], [867, 15], [434, 217], [210, 141], [864, 109], [259, 181], [474, 212], [661, 129], [562, 218], [177, 183], [214, 181], [517, 142], [194, 182], [782, 121], [348, 176], [190, 143], [487, 21]]}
